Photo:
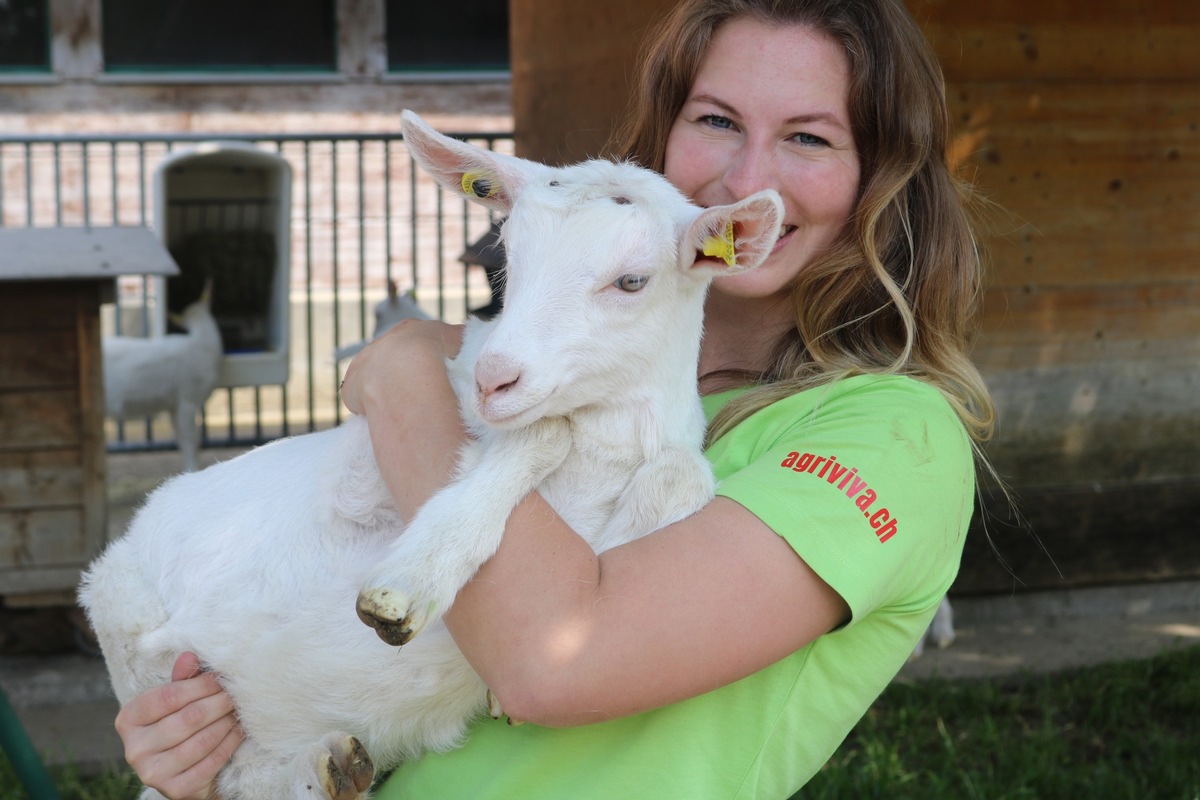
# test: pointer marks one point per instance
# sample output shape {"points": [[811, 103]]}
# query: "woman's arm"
{"points": [[563, 636]]}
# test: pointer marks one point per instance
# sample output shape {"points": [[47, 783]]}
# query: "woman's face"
{"points": [[768, 110]]}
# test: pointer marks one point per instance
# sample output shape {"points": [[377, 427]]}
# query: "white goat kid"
{"points": [[586, 389], [174, 373]]}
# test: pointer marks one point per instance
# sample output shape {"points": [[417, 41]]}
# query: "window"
{"points": [[219, 35], [457, 35], [24, 36]]}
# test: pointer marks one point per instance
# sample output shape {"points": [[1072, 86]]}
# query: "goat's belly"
{"points": [[289, 690], [258, 563]]}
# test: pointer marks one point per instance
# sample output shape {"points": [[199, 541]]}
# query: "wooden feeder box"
{"points": [[53, 509]]}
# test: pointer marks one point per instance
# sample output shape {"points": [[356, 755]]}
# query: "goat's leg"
{"points": [[675, 484], [345, 768], [457, 530], [336, 767], [187, 434], [941, 630]]}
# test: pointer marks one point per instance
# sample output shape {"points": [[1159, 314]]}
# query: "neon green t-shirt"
{"points": [[871, 481]]}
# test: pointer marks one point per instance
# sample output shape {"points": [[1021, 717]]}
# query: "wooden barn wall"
{"points": [[1080, 121], [571, 68]]}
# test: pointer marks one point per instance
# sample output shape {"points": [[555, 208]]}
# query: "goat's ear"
{"points": [[491, 179], [737, 237]]}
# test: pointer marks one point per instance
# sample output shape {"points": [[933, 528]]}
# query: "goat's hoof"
{"points": [[496, 712], [493, 704], [346, 771], [387, 612]]}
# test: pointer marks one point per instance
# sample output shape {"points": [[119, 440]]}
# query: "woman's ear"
{"points": [[736, 237], [491, 179]]}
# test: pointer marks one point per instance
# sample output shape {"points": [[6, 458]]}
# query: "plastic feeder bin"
{"points": [[223, 210]]}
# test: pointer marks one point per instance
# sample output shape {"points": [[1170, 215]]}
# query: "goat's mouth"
{"points": [[509, 412]]}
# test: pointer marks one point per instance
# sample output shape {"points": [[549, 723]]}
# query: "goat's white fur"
{"points": [[174, 373], [255, 563]]}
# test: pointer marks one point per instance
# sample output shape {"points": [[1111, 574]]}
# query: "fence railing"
{"points": [[361, 215]]}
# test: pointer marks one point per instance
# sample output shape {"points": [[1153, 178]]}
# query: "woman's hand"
{"points": [[178, 736], [407, 356]]}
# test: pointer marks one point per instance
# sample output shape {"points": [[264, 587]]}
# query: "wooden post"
{"points": [[571, 69]]}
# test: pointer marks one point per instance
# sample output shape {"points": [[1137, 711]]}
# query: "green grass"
{"points": [[1128, 731], [72, 785]]}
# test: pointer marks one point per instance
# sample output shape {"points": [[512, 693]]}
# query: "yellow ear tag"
{"points": [[478, 184], [721, 246]]}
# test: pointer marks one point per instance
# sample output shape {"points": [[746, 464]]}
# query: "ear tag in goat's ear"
{"points": [[478, 184], [721, 246]]}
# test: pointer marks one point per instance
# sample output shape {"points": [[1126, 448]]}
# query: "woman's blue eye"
{"points": [[718, 121], [810, 139], [631, 283]]}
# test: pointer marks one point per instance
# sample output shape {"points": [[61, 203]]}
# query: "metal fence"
{"points": [[361, 215]]}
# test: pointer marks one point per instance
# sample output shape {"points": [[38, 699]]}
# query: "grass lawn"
{"points": [[1129, 731]]}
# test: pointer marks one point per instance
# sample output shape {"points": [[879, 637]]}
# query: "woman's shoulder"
{"points": [[876, 396]]}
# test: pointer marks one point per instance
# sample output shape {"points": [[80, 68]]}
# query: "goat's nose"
{"points": [[495, 374]]}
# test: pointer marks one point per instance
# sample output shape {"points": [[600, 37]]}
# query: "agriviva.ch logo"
{"points": [[846, 480]]}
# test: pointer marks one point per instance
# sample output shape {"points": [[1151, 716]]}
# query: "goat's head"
{"points": [[606, 273]]}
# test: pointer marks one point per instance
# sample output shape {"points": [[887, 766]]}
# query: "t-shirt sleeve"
{"points": [[872, 485]]}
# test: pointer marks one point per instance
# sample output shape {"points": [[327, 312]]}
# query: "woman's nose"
{"points": [[752, 169]]}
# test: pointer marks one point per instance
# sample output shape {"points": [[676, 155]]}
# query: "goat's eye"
{"points": [[631, 283]]}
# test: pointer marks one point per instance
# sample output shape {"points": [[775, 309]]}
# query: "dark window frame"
{"points": [[471, 22], [39, 63], [123, 57]]}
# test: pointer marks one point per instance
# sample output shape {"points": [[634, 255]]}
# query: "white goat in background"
{"points": [[940, 630], [588, 394], [174, 373], [392, 309]]}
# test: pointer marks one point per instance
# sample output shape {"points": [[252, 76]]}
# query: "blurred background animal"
{"points": [[393, 308], [175, 373]]}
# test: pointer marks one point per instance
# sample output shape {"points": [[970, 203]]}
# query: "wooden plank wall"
{"points": [[1080, 121], [571, 66]]}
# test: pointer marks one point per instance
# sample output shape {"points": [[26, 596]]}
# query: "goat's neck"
{"points": [[663, 410]]}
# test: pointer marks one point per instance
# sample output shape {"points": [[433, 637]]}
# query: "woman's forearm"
{"points": [[416, 430], [417, 453], [523, 621]]}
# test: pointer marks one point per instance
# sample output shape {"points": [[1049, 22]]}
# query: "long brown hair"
{"points": [[897, 291]]}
